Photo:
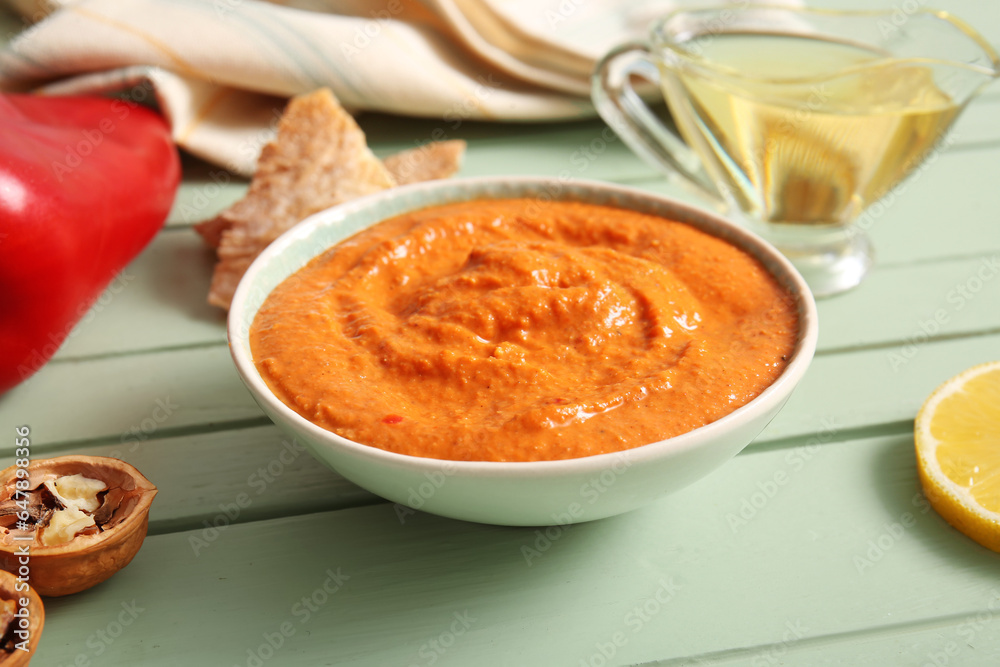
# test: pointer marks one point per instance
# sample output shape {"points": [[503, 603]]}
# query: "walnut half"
{"points": [[81, 518], [22, 618]]}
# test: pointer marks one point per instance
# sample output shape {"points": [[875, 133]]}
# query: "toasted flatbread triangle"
{"points": [[438, 159], [431, 161], [318, 159]]}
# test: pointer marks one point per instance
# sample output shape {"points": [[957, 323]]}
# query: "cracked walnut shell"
{"points": [[85, 552], [20, 624]]}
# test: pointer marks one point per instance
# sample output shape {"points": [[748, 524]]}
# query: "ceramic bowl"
{"points": [[532, 493]]}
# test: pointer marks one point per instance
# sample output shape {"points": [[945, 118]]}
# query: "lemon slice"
{"points": [[957, 435]]}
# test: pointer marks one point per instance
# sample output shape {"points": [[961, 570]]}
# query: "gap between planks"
{"points": [[810, 644]]}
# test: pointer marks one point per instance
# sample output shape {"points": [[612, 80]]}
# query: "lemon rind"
{"points": [[949, 499]]}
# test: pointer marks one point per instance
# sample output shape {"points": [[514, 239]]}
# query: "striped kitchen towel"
{"points": [[221, 70]]}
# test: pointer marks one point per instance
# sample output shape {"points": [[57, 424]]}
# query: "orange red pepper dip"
{"points": [[521, 330]]}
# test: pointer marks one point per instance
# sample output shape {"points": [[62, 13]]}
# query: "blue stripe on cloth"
{"points": [[300, 53]]}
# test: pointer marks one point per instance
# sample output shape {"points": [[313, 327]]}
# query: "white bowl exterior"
{"points": [[535, 493]]}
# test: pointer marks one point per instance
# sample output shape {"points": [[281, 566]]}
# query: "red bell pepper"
{"points": [[85, 184]]}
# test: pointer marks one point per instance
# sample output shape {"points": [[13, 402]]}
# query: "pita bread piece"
{"points": [[437, 159], [432, 161], [318, 159]]}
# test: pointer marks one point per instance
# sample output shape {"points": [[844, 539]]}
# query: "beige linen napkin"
{"points": [[222, 69]]}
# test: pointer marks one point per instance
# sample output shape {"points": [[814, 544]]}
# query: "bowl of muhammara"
{"points": [[521, 351]]}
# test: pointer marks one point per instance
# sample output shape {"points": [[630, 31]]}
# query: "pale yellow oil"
{"points": [[794, 135]]}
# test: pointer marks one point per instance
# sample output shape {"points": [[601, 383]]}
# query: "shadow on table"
{"points": [[895, 478]]}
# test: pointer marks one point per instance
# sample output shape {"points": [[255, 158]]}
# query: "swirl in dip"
{"points": [[522, 330]]}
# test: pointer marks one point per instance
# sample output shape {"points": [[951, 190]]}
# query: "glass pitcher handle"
{"points": [[624, 110]]}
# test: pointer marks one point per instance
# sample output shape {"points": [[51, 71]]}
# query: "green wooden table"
{"points": [[814, 546]]}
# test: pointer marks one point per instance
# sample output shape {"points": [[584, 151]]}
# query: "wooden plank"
{"points": [[206, 190], [977, 125], [902, 305], [158, 301], [945, 210], [581, 149], [231, 476], [175, 271], [836, 540], [948, 640], [577, 149], [980, 15], [865, 389], [842, 395], [107, 398], [741, 588]]}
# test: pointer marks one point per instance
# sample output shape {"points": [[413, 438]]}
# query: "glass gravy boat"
{"points": [[796, 120]]}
